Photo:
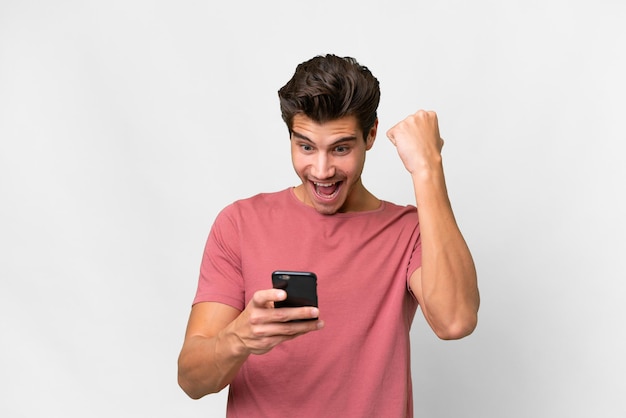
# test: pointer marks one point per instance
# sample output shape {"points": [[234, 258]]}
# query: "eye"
{"points": [[342, 149]]}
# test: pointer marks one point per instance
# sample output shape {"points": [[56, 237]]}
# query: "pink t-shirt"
{"points": [[358, 365]]}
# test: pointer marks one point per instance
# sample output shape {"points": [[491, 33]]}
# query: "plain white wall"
{"points": [[125, 126]]}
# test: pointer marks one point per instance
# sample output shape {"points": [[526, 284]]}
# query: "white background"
{"points": [[125, 126]]}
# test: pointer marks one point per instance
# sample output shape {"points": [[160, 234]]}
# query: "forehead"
{"points": [[346, 126]]}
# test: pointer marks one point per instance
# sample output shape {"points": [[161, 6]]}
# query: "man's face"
{"points": [[329, 159]]}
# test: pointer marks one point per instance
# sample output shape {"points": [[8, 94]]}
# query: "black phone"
{"points": [[301, 288]]}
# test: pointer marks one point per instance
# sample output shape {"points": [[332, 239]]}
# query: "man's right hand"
{"points": [[220, 338], [261, 327]]}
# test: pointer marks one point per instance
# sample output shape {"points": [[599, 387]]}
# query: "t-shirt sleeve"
{"points": [[415, 261], [220, 271], [416, 255]]}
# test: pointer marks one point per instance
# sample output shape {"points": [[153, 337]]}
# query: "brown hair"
{"points": [[329, 87]]}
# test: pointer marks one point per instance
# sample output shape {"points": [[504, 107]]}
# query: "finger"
{"points": [[269, 336], [279, 323], [266, 298], [391, 135], [295, 314], [292, 329]]}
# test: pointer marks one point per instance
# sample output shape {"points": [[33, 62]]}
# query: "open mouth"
{"points": [[326, 191]]}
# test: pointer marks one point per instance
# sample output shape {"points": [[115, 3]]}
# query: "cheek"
{"points": [[353, 167], [298, 163]]}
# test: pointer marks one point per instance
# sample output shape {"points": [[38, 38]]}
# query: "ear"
{"points": [[371, 136]]}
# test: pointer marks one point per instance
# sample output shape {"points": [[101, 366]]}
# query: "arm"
{"points": [[220, 338], [446, 285]]}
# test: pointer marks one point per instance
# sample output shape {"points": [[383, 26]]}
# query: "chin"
{"points": [[325, 210], [330, 208]]}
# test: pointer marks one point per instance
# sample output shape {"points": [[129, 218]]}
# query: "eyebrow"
{"points": [[349, 138]]}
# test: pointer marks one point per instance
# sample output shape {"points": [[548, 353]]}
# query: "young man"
{"points": [[375, 262]]}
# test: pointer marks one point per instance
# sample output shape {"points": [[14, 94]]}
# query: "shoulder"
{"points": [[401, 211], [243, 216], [254, 205], [260, 201], [394, 207]]}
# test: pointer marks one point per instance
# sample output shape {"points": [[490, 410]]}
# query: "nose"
{"points": [[323, 167]]}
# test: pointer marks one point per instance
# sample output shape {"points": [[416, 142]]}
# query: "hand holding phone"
{"points": [[301, 288]]}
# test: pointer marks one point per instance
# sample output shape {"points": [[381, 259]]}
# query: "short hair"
{"points": [[329, 87]]}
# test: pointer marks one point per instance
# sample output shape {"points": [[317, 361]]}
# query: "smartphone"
{"points": [[301, 288]]}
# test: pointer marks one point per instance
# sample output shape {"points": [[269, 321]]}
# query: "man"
{"points": [[375, 263]]}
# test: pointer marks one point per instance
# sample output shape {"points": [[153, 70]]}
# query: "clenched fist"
{"points": [[417, 140]]}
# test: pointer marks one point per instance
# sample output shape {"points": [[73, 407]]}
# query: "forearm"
{"points": [[207, 365], [448, 281]]}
